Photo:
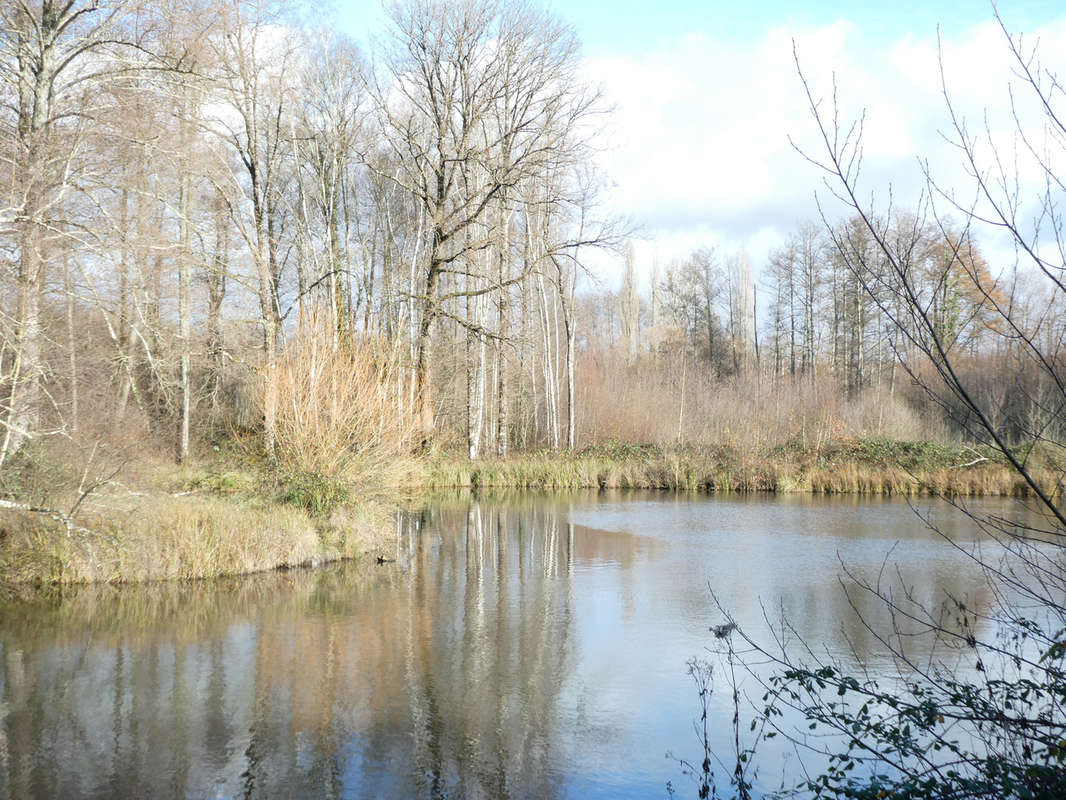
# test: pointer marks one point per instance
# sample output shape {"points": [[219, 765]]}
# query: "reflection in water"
{"points": [[528, 648]]}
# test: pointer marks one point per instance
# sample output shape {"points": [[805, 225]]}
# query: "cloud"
{"points": [[699, 144]]}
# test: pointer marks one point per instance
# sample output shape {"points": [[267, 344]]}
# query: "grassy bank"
{"points": [[878, 467], [228, 516], [189, 523]]}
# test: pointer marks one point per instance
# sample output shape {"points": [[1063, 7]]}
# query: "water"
{"points": [[533, 647]]}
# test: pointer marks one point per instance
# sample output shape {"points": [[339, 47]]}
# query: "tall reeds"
{"points": [[865, 467]]}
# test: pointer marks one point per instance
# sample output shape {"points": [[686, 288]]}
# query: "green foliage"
{"points": [[984, 723], [946, 737], [314, 492], [617, 450]]}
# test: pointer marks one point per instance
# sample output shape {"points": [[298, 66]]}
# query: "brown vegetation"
{"points": [[143, 519], [669, 400], [339, 414], [161, 537], [872, 467], [272, 257]]}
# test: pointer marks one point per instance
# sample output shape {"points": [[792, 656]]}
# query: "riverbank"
{"points": [[230, 517], [205, 521], [851, 466], [166, 538]]}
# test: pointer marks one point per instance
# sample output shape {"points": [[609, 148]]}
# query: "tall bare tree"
{"points": [[254, 62], [51, 54], [470, 99]]}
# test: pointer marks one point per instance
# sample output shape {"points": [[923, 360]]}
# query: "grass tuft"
{"points": [[315, 493]]}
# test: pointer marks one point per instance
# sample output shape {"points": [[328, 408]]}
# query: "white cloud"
{"points": [[699, 142]]}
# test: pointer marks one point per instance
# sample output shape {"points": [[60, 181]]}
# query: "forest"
{"points": [[242, 255]]}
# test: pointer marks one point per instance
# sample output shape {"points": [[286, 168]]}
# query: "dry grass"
{"points": [[990, 480], [878, 466], [160, 537], [145, 518]]}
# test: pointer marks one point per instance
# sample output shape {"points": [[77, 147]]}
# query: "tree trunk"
{"points": [[36, 77], [184, 321], [68, 290], [423, 381], [570, 398], [502, 387], [216, 293]]}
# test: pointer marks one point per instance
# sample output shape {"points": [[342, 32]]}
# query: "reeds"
{"points": [[872, 467]]}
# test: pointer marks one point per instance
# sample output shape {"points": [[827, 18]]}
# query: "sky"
{"points": [[706, 98]]}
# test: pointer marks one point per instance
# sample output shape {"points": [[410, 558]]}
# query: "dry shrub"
{"points": [[666, 400], [340, 410]]}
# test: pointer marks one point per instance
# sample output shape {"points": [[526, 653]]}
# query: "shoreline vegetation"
{"points": [[159, 537], [224, 517], [849, 466]]}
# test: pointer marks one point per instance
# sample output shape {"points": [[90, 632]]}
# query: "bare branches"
{"points": [[981, 711], [893, 285]]}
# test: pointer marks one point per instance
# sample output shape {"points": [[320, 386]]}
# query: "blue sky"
{"points": [[706, 98], [605, 24], [633, 25]]}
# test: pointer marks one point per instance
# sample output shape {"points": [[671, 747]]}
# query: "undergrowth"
{"points": [[315, 493]]}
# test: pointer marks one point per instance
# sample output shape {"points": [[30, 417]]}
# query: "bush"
{"points": [[338, 414], [315, 493]]}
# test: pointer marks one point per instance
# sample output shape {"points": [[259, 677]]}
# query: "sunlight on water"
{"points": [[525, 647]]}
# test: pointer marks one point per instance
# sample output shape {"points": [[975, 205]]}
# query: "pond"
{"points": [[519, 647]]}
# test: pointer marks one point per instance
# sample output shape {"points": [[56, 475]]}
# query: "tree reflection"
{"points": [[437, 678], [482, 663]]}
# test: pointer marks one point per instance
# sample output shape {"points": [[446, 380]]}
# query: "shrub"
{"points": [[338, 411], [315, 493]]}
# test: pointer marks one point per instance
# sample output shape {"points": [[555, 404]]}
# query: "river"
{"points": [[519, 647]]}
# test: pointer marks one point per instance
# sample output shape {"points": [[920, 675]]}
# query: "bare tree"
{"points": [[691, 291], [470, 100], [325, 142], [740, 305], [51, 53], [254, 62]]}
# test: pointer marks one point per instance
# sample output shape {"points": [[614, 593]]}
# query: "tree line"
{"points": [[198, 197], [191, 188], [828, 306]]}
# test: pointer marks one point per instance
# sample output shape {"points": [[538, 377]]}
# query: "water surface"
{"points": [[527, 647]]}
